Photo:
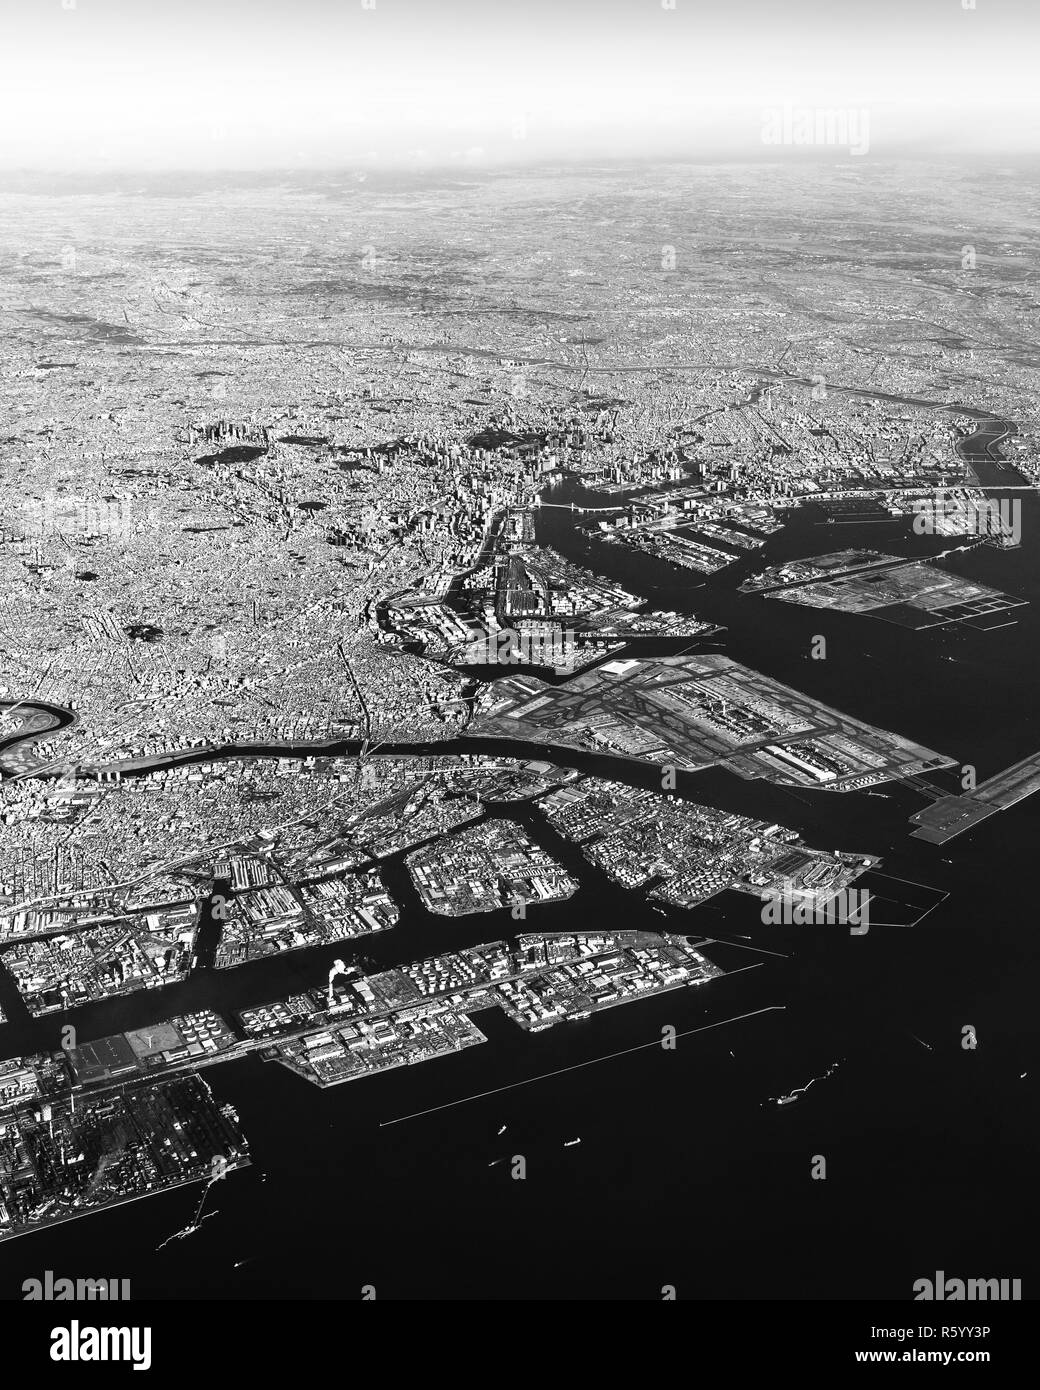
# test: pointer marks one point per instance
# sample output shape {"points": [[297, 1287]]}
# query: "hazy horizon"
{"points": [[321, 84]]}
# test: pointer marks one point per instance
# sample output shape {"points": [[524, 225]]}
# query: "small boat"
{"points": [[569, 1143], [786, 1100], [502, 1130]]}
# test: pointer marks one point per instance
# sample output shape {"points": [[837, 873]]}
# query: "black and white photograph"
{"points": [[519, 671]]}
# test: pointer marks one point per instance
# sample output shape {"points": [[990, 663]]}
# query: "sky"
{"points": [[273, 84]]}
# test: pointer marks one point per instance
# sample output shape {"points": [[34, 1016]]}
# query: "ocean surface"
{"points": [[688, 1174]]}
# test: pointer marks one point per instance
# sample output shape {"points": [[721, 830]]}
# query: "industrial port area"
{"points": [[128, 1116]]}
